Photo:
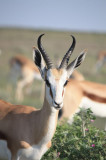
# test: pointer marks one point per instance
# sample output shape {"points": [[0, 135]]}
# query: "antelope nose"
{"points": [[57, 104]]}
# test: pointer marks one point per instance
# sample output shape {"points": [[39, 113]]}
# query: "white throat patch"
{"points": [[35, 152]]}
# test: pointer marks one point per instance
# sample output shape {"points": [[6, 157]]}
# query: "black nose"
{"points": [[57, 103]]}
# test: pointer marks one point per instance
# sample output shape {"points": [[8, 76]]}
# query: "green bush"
{"points": [[79, 141]]}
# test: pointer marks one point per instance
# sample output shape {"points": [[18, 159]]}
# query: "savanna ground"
{"points": [[56, 43]]}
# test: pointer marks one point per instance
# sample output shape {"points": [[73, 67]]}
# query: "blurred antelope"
{"points": [[24, 72], [101, 59], [25, 132], [85, 94], [77, 76]]}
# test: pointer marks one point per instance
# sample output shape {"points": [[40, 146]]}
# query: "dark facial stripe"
{"points": [[48, 84], [51, 92], [95, 97]]}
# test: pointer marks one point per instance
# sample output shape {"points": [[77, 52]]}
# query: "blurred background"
{"points": [[21, 22]]}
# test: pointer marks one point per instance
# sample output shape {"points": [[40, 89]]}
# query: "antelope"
{"points": [[26, 132], [77, 76], [101, 59], [85, 94], [24, 72]]}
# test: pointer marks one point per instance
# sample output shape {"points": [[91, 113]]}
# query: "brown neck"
{"points": [[48, 110], [44, 118]]}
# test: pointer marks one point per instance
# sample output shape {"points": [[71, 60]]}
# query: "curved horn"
{"points": [[66, 57], [44, 54]]}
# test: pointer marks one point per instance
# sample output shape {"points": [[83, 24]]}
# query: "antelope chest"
{"points": [[35, 152]]}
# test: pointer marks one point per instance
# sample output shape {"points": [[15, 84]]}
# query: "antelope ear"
{"points": [[74, 64], [38, 60]]}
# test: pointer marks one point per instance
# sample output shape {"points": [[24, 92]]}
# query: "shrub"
{"points": [[79, 141]]}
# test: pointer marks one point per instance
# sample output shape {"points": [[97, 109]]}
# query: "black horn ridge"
{"points": [[44, 54], [66, 57]]}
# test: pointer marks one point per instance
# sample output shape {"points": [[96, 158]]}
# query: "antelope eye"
{"points": [[47, 82], [65, 83]]}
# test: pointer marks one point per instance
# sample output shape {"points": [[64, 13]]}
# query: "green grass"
{"points": [[79, 141], [14, 41]]}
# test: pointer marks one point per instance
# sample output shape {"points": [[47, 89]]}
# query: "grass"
{"points": [[14, 41]]}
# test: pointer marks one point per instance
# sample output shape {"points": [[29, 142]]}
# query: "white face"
{"points": [[56, 79], [55, 86]]}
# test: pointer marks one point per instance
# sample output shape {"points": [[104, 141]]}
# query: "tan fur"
{"points": [[24, 61], [49, 145], [101, 55], [75, 91], [19, 125], [77, 76], [101, 59], [94, 88], [26, 73], [72, 98], [57, 73]]}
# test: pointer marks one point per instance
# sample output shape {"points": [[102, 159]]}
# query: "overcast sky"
{"points": [[77, 15]]}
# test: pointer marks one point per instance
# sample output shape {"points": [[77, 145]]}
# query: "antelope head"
{"points": [[56, 79]]}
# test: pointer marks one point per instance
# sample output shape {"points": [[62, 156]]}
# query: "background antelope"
{"points": [[77, 76], [26, 132], [85, 94], [24, 72], [101, 59]]}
